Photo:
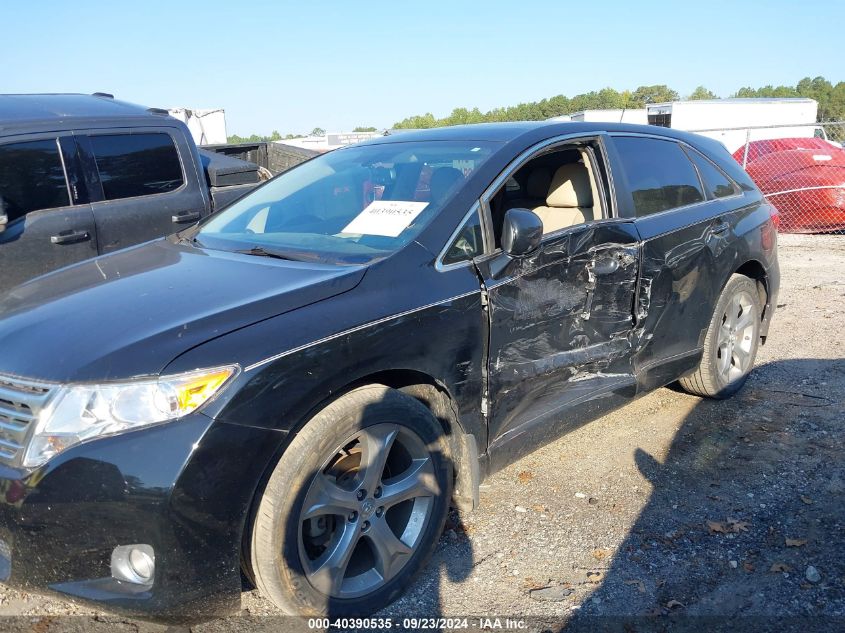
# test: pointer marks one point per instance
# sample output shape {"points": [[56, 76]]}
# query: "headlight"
{"points": [[81, 412]]}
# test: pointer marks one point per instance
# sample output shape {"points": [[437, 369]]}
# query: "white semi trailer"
{"points": [[610, 115], [737, 121], [208, 127], [628, 115]]}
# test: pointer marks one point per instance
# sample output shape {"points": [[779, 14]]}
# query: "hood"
{"points": [[133, 312]]}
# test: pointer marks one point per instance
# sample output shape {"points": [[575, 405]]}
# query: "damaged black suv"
{"points": [[298, 388]]}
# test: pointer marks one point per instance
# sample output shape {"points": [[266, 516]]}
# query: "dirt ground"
{"points": [[671, 507]]}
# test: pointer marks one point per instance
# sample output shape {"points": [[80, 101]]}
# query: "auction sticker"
{"points": [[385, 217]]}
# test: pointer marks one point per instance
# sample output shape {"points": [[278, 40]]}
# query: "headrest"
{"points": [[570, 187], [537, 185], [443, 180]]}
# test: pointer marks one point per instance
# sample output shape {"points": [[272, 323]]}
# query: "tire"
{"points": [[730, 345], [322, 547]]}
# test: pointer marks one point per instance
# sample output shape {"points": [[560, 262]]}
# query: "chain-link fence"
{"points": [[800, 169]]}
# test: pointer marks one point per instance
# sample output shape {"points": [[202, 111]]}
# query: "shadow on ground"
{"points": [[745, 526]]}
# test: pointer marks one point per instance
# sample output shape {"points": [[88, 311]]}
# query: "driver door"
{"points": [[562, 318]]}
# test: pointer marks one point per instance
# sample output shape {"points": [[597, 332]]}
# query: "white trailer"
{"points": [[627, 115], [737, 121], [208, 127]]}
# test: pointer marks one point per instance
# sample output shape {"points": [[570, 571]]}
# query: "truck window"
{"points": [[31, 178], [659, 174], [132, 165], [717, 184]]}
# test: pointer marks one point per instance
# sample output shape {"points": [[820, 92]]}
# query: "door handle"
{"points": [[185, 217], [70, 237], [720, 228]]}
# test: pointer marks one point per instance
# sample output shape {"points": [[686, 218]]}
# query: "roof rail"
{"points": [[161, 111], [105, 95]]}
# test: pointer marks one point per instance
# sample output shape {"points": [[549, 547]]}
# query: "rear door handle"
{"points": [[719, 228], [70, 237], [186, 216]]}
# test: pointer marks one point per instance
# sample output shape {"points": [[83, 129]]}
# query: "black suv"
{"points": [[301, 385], [83, 175]]}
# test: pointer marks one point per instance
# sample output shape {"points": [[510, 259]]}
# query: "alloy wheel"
{"points": [[736, 337], [365, 511]]}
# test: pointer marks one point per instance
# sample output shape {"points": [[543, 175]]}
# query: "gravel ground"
{"points": [[672, 506]]}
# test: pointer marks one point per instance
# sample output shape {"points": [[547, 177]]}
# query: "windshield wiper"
{"points": [[260, 251]]}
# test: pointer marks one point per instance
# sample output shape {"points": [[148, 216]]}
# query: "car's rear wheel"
{"points": [[354, 507], [730, 345]]}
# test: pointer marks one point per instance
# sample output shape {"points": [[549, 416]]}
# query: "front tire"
{"points": [[355, 506], [730, 345]]}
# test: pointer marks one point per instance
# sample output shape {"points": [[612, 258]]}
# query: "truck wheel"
{"points": [[355, 506], [730, 345]]}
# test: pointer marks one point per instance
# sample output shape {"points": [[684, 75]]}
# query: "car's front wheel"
{"points": [[730, 345], [354, 507]]}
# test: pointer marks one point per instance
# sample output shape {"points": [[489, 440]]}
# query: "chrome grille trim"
{"points": [[21, 401]]}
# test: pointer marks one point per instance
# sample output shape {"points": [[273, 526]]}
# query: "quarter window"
{"points": [[467, 244], [717, 184], [659, 174], [132, 165], [31, 178]]}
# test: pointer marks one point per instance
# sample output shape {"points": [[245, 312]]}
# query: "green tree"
{"points": [[821, 90], [425, 121], [318, 131], [831, 101], [653, 94], [836, 105], [362, 128], [702, 93], [610, 99], [275, 136], [557, 105]]}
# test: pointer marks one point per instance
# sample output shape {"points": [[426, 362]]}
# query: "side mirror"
{"points": [[522, 232]]}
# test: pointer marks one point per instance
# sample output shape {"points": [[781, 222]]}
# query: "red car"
{"points": [[804, 178]]}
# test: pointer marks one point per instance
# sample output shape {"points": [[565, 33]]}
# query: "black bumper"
{"points": [[184, 488]]}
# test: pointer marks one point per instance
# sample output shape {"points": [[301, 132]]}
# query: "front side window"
{"points": [[352, 205], [560, 187], [659, 174], [31, 178], [133, 165]]}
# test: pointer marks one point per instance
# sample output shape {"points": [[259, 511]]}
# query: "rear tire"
{"points": [[730, 345], [355, 506]]}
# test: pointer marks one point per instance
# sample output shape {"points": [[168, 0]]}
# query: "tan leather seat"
{"points": [[570, 199], [535, 192]]}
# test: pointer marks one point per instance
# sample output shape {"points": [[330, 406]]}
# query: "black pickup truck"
{"points": [[83, 175]]}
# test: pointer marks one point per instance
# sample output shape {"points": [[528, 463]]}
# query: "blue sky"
{"points": [[293, 66]]}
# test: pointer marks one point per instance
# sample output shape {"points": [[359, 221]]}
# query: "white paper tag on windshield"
{"points": [[385, 217]]}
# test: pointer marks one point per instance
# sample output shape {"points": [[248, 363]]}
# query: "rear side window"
{"points": [[659, 174], [31, 178], [717, 184], [132, 165]]}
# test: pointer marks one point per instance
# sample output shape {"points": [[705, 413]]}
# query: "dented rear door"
{"points": [[561, 334]]}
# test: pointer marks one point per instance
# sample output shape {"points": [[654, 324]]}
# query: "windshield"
{"points": [[349, 206]]}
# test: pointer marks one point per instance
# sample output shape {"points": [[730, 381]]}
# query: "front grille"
{"points": [[20, 403]]}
